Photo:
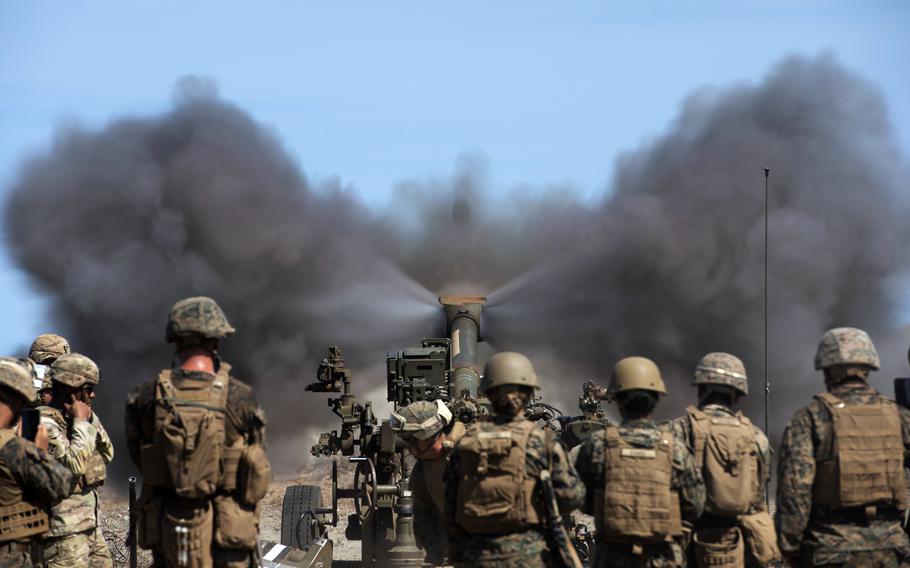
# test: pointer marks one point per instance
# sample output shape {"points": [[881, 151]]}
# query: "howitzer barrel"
{"points": [[463, 328]]}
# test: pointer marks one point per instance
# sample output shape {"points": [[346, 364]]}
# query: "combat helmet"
{"points": [[74, 370], [846, 346], [421, 419], [16, 376], [722, 369], [199, 315], [636, 373], [47, 347], [508, 368]]}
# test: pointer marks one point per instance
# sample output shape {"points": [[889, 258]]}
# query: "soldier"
{"points": [[430, 433], [198, 437], [494, 502], [79, 441], [641, 478], [734, 458], [31, 481], [841, 484], [43, 352]]}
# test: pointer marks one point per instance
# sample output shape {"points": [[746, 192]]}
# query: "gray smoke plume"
{"points": [[117, 224]]}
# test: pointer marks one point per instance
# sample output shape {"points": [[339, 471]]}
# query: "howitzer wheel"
{"points": [[365, 480], [299, 516]]}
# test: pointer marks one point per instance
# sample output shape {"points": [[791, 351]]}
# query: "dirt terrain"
{"points": [[115, 513]]}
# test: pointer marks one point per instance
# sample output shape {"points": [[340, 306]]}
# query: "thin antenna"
{"points": [[767, 381]]}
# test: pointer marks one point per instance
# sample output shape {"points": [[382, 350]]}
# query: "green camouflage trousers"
{"points": [[14, 559], [81, 549], [868, 559]]}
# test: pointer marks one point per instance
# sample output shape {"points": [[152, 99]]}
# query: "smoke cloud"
{"points": [[116, 224]]}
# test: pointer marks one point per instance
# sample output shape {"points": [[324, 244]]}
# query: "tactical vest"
{"points": [[637, 503], [495, 493], [19, 520], [187, 449], [868, 450], [95, 468], [726, 454]]}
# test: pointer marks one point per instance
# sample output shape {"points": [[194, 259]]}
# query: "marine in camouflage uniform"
{"points": [[79, 441], [45, 349], [196, 325], [31, 481], [721, 381], [636, 385], [430, 432], [827, 518], [509, 382]]}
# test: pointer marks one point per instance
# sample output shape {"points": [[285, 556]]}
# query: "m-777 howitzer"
{"points": [[573, 430], [437, 369]]}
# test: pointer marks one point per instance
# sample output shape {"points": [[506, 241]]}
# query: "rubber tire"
{"points": [[299, 501]]}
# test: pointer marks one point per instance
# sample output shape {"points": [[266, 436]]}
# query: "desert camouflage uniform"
{"points": [[75, 537], [820, 538], [517, 549], [42, 479], [243, 417], [428, 492], [685, 481]]}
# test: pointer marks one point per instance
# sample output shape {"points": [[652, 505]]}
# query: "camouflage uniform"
{"points": [[28, 475], [75, 537], [685, 481], [802, 529], [823, 535], [526, 548], [45, 349], [244, 426], [428, 492]]}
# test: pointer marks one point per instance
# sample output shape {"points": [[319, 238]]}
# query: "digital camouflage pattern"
{"points": [[843, 345], [428, 492], [81, 549], [74, 370], [243, 418], [685, 480], [76, 513], [421, 419], [683, 431], [47, 347], [198, 315], [722, 369], [43, 480], [16, 375], [522, 548], [801, 529]]}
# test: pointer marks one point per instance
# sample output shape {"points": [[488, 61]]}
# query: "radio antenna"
{"points": [[767, 380]]}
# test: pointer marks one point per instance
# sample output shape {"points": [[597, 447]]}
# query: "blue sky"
{"points": [[375, 93]]}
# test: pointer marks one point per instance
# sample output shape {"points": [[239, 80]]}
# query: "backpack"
{"points": [[726, 453], [188, 436]]}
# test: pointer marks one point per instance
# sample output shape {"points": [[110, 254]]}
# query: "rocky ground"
{"points": [[115, 514]]}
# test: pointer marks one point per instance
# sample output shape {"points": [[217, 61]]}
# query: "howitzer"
{"points": [[573, 430], [437, 369]]}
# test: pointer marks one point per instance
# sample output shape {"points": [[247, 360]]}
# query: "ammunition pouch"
{"points": [[236, 524], [186, 533], [22, 520], [719, 548], [761, 538], [254, 474], [95, 472], [230, 463]]}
